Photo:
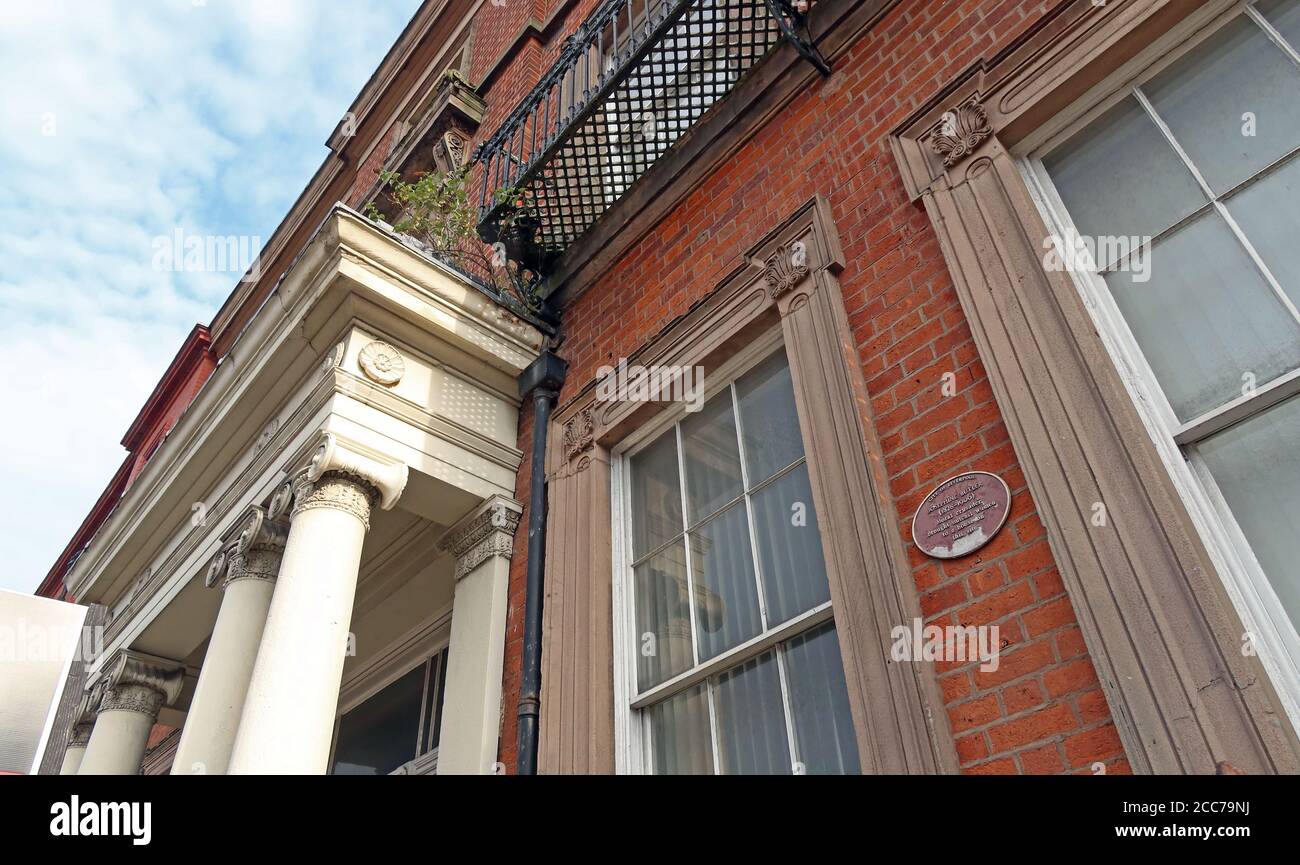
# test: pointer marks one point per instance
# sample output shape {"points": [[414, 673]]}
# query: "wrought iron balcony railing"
{"points": [[631, 81]]}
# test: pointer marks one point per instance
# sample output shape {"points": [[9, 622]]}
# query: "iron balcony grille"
{"points": [[630, 82]]}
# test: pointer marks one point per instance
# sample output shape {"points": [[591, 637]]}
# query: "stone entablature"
{"points": [[365, 340]]}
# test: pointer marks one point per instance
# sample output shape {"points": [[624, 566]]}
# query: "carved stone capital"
{"points": [[786, 266], [579, 434], [960, 131], [79, 736], [136, 682], [250, 550], [337, 491], [339, 457], [488, 531]]}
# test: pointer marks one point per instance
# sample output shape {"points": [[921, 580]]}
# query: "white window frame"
{"points": [[1275, 638], [631, 721]]}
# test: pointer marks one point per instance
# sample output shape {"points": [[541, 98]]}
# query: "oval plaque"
{"points": [[961, 515]]}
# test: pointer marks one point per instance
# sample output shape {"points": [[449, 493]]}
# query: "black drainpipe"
{"points": [[543, 379]]}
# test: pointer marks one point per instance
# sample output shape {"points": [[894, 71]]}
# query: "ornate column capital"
{"points": [[333, 454], [488, 530], [136, 682], [251, 549], [83, 719]]}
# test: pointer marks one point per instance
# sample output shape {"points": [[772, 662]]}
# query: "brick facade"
{"points": [[1043, 710]]}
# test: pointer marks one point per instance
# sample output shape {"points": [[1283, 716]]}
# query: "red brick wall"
{"points": [[1042, 711]]}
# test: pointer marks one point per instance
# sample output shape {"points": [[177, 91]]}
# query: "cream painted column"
{"points": [[135, 687], [82, 725], [246, 566], [471, 717], [288, 717]]}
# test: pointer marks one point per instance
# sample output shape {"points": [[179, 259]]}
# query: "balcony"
{"points": [[630, 82]]}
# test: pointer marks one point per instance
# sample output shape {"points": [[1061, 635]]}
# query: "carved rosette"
{"points": [[786, 266], [960, 131], [488, 531], [382, 363], [140, 683], [332, 359], [579, 434]]}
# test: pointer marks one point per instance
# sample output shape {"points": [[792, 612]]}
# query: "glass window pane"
{"points": [[751, 720], [663, 624], [726, 595], [656, 495], [1284, 15], [819, 701], [1255, 466], [1120, 177], [440, 670], [711, 457], [1268, 211], [789, 547], [679, 734], [768, 418], [1206, 318], [381, 734], [1204, 98]]}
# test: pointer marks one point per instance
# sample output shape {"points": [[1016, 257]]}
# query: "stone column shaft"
{"points": [[287, 721], [246, 566]]}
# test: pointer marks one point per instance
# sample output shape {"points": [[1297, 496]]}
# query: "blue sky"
{"points": [[122, 121]]}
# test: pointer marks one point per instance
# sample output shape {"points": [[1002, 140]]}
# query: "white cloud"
{"points": [[123, 120]]}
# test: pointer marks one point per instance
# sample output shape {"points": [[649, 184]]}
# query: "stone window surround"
{"points": [[871, 580], [1161, 630]]}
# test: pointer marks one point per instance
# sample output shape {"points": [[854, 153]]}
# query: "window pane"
{"points": [[768, 418], [1268, 211], [440, 671], [726, 596], [1204, 96], [679, 734], [1284, 15], [1206, 318], [751, 720], [823, 725], [1120, 177], [380, 734], [663, 625], [711, 456], [656, 495], [789, 547], [1255, 466]]}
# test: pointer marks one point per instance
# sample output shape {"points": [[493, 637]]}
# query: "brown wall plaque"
{"points": [[961, 515]]}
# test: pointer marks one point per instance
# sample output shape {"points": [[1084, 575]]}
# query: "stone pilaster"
{"points": [[482, 543]]}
